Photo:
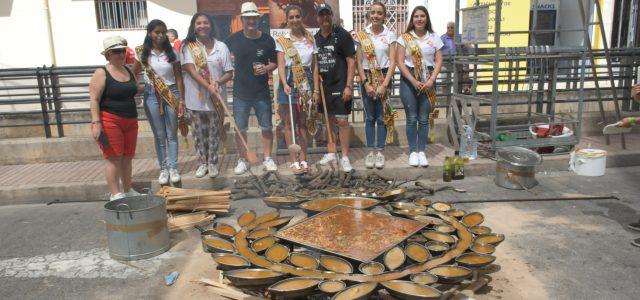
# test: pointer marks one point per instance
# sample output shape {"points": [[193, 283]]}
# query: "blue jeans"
{"points": [[417, 110], [261, 107], [374, 115], [164, 127]]}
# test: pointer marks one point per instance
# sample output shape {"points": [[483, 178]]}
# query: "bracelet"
{"points": [[348, 87], [95, 122], [316, 92], [632, 121]]}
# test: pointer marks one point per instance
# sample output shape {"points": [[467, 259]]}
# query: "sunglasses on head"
{"points": [[118, 51]]}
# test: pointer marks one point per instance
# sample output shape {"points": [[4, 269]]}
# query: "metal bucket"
{"points": [[516, 168], [137, 227]]}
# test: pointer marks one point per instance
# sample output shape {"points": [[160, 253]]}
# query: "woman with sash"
{"points": [[298, 73], [419, 58], [208, 67], [376, 60], [164, 91]]}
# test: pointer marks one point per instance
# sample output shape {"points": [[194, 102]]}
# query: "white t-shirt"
{"points": [[219, 62], [382, 42], [306, 50], [161, 66], [429, 44]]}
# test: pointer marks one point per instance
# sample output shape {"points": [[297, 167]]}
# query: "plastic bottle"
{"points": [[447, 170], [468, 144], [458, 167]]}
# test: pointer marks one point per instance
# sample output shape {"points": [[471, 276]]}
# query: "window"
{"points": [[396, 14], [121, 14]]}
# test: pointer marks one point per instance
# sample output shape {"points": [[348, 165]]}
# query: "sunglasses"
{"points": [[118, 51]]}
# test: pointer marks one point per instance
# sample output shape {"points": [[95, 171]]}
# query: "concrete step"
{"points": [[84, 180]]}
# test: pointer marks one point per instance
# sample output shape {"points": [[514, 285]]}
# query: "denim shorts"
{"points": [[284, 98], [261, 107]]}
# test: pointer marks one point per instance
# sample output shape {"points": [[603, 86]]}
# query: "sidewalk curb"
{"points": [[97, 190]]}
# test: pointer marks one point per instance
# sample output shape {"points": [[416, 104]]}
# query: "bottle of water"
{"points": [[468, 144]]}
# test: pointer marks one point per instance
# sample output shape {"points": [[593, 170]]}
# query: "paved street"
{"points": [[560, 250]]}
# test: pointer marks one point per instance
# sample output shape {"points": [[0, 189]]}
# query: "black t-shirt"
{"points": [[246, 52], [332, 56]]}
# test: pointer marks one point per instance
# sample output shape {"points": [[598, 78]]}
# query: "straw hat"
{"points": [[113, 42], [249, 9]]}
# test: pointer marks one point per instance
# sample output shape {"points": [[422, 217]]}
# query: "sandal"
{"points": [[304, 166], [295, 168], [636, 242]]}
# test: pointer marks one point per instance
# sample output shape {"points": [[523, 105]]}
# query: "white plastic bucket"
{"points": [[588, 162]]}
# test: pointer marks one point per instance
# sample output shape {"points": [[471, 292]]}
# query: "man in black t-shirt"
{"points": [[336, 63], [254, 58]]}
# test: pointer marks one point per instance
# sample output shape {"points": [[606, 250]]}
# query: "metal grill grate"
{"points": [[121, 14], [396, 14]]}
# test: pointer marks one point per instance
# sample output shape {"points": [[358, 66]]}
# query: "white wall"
{"points": [[441, 13], [24, 31], [346, 13], [77, 40]]}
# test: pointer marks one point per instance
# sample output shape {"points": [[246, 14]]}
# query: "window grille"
{"points": [[396, 14], [121, 14]]}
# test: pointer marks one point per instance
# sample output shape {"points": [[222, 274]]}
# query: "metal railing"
{"points": [[52, 97]]}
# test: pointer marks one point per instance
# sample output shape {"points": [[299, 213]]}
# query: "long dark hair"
{"points": [[191, 34], [306, 32], [428, 27], [148, 43]]}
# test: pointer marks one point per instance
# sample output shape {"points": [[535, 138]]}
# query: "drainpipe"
{"points": [[52, 50]]}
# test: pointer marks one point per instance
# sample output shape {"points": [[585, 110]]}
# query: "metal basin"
{"points": [[294, 287], [253, 277], [410, 290], [136, 227], [320, 205], [356, 292]]}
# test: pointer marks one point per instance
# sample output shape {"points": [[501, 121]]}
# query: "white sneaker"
{"points": [[346, 165], [422, 159], [201, 171], [213, 171], [241, 167], [379, 160], [164, 177], [327, 158], [117, 196], [370, 160], [175, 176], [269, 164], [132, 193], [413, 159]]}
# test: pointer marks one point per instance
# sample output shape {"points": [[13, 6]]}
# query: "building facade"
{"points": [[70, 32]]}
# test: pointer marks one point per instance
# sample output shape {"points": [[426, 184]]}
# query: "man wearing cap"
{"points": [[255, 58], [336, 62]]}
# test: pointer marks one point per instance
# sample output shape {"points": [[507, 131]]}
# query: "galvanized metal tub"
{"points": [[136, 227]]}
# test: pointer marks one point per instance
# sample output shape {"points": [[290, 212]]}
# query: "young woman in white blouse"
{"points": [[297, 49], [208, 67], [163, 96], [419, 59], [376, 63]]}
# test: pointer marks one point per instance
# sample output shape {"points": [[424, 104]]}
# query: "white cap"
{"points": [[113, 42], [249, 9]]}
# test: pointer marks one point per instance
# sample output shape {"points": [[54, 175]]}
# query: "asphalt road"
{"points": [[559, 250]]}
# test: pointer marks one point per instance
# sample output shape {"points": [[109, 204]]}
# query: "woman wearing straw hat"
{"points": [[114, 123]]}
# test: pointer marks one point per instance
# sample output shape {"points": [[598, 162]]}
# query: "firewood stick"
{"points": [[179, 198]]}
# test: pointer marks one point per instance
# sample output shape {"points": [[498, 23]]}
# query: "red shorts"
{"points": [[122, 134]]}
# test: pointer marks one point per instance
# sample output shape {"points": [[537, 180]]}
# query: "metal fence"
{"points": [[52, 96]]}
